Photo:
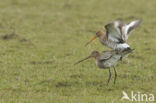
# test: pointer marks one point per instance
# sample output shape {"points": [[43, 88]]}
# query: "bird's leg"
{"points": [[115, 74], [120, 58], [109, 76]]}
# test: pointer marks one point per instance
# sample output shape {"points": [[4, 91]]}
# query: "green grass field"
{"points": [[41, 39]]}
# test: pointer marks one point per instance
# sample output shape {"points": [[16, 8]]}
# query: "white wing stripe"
{"points": [[129, 27]]}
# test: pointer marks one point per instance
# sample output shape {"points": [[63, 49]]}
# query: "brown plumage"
{"points": [[107, 59], [116, 34]]}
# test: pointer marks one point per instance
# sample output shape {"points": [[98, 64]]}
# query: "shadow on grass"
{"points": [[15, 36], [58, 84], [66, 84], [41, 62], [9, 36], [96, 83]]}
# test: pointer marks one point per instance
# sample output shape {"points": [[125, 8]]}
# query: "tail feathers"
{"points": [[128, 49]]}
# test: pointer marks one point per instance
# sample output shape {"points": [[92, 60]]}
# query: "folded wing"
{"points": [[105, 55]]}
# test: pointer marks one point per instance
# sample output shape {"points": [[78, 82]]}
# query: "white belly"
{"points": [[122, 46], [115, 46]]}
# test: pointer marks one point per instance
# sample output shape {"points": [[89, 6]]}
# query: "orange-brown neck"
{"points": [[102, 36], [97, 56]]}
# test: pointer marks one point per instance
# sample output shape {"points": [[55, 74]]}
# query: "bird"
{"points": [[116, 34], [107, 59]]}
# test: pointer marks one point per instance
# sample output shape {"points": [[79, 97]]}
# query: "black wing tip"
{"points": [[129, 49]]}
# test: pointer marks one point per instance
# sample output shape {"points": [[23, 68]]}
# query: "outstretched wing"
{"points": [[127, 28], [105, 55], [114, 31]]}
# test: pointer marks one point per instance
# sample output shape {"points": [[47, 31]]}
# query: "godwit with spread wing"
{"points": [[116, 34]]}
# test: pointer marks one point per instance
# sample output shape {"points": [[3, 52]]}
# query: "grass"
{"points": [[36, 64]]}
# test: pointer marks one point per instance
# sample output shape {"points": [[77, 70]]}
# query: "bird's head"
{"points": [[94, 54], [98, 34]]}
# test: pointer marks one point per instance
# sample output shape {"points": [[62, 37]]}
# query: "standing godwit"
{"points": [[107, 60], [116, 34]]}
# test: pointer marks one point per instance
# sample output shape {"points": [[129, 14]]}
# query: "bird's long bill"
{"points": [[94, 37], [82, 60]]}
